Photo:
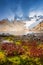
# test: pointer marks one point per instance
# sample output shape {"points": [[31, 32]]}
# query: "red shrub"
{"points": [[11, 49], [34, 52]]}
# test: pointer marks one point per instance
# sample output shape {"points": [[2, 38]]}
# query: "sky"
{"points": [[22, 9]]}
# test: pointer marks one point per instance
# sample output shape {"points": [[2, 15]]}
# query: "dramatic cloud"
{"points": [[19, 11], [35, 18], [37, 13]]}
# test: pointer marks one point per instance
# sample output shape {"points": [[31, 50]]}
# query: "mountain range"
{"points": [[18, 27]]}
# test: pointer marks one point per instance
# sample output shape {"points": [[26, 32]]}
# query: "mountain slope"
{"points": [[38, 28], [14, 27]]}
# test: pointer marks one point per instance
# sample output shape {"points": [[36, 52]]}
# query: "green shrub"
{"points": [[15, 60], [3, 58], [18, 42]]}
